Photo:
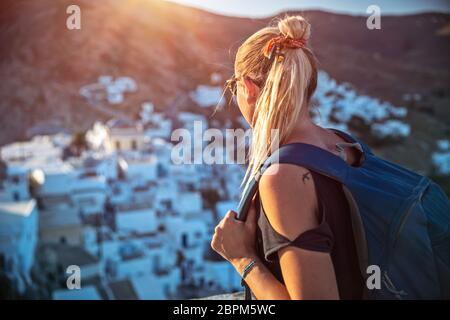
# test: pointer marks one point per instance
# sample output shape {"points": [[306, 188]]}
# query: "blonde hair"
{"points": [[286, 85]]}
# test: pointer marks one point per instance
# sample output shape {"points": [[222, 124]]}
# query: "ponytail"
{"points": [[277, 58]]}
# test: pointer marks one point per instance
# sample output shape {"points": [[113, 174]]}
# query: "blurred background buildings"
{"points": [[86, 176]]}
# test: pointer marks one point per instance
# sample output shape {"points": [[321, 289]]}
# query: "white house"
{"points": [[162, 150], [142, 169], [161, 251], [144, 193], [441, 157], [101, 164], [156, 125], [188, 119], [234, 176], [109, 244], [60, 256], [189, 202], [89, 194], [60, 224], [109, 89], [207, 96], [195, 124], [16, 185], [101, 242], [40, 151], [160, 287], [186, 233], [124, 136], [160, 129], [190, 235], [18, 240], [120, 193], [167, 194], [223, 274], [184, 173], [89, 240], [58, 182], [136, 217], [132, 262]]}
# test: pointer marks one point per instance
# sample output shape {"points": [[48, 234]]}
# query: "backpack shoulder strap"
{"points": [[351, 138], [315, 158], [311, 157], [301, 154], [246, 199]]}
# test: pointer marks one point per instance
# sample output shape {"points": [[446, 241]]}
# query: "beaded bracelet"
{"points": [[247, 269]]}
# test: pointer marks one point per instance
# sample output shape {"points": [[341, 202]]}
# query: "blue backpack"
{"points": [[400, 219]]}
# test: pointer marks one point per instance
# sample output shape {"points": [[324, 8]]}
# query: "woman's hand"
{"points": [[233, 239]]}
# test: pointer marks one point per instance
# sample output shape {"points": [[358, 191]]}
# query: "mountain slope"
{"points": [[170, 49]]}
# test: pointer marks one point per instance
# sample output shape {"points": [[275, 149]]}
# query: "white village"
{"points": [[114, 204]]}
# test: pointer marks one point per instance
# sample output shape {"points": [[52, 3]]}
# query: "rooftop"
{"points": [[59, 217], [123, 290], [72, 255], [20, 209]]}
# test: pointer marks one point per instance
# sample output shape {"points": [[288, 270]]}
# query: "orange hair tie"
{"points": [[281, 42]]}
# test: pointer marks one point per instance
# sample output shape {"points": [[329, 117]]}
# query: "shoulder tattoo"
{"points": [[306, 176]]}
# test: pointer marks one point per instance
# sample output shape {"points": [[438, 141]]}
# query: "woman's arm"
{"points": [[261, 281], [288, 196], [289, 199]]}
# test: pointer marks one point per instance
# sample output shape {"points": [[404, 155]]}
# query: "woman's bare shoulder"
{"points": [[289, 199]]}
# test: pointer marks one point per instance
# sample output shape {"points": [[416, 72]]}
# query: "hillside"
{"points": [[170, 49]]}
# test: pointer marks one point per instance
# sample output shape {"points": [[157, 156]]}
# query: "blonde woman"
{"points": [[289, 247]]}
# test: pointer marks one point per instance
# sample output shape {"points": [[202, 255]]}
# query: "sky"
{"points": [[264, 8]]}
